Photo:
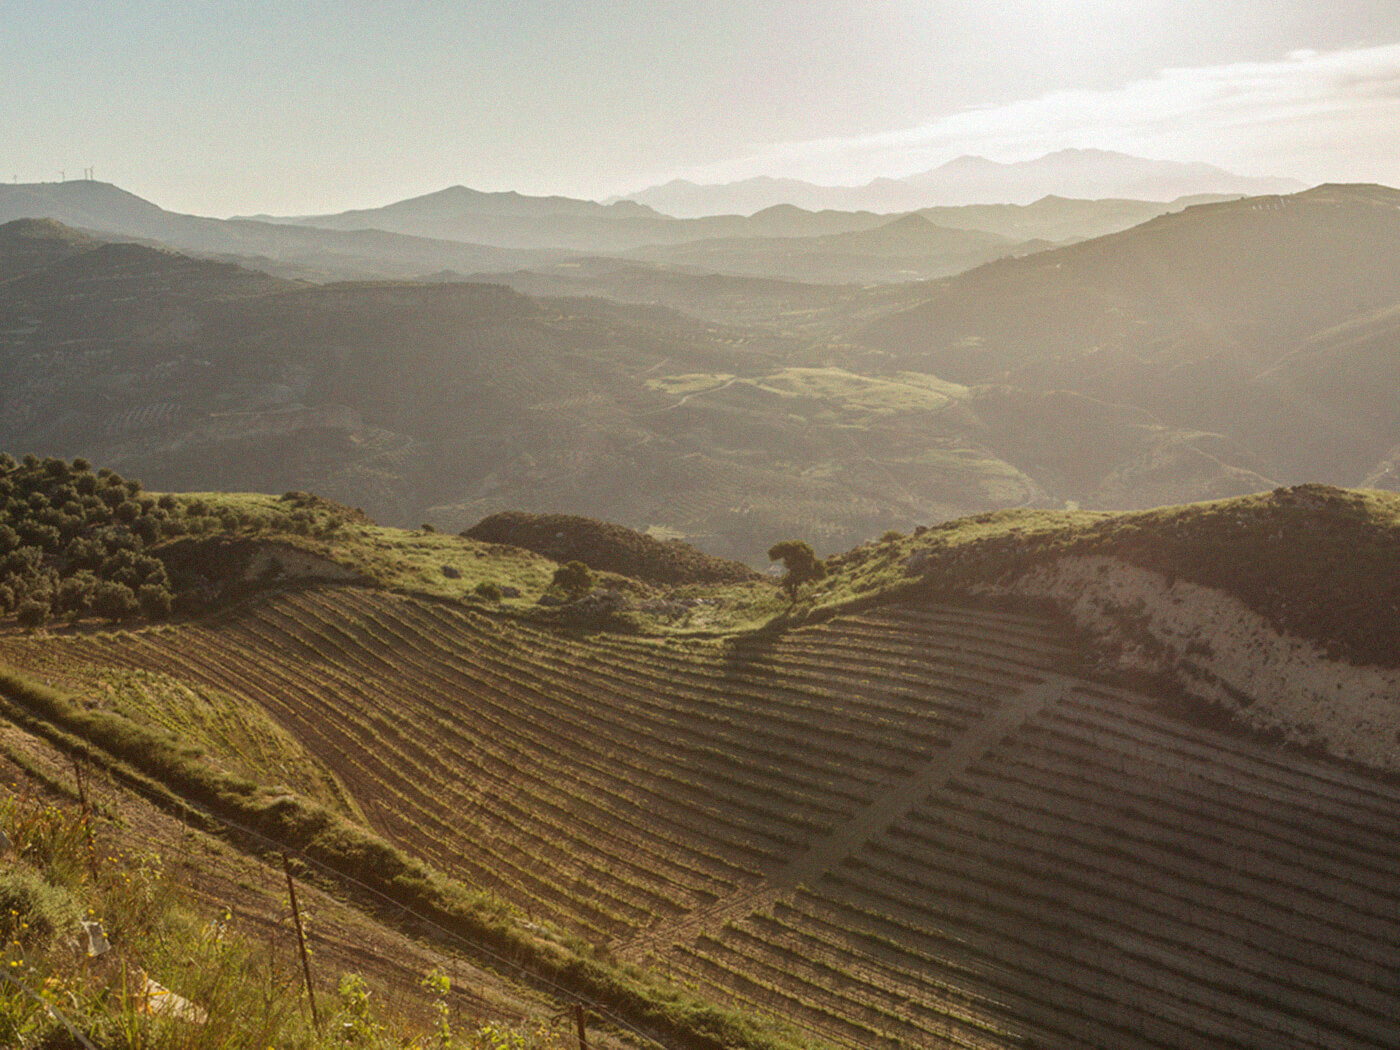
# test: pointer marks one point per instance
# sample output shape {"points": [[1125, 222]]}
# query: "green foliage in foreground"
{"points": [[238, 991], [173, 774]]}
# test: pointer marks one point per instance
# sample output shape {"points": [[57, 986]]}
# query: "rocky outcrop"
{"points": [[206, 570], [283, 561], [1222, 651]]}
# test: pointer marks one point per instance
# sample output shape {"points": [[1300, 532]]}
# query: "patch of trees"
{"points": [[75, 542], [605, 547], [572, 580]]}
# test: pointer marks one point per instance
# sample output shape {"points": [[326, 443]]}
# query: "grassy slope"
{"points": [[1319, 562], [160, 884], [413, 561], [1322, 563], [164, 769], [404, 559], [231, 734]]}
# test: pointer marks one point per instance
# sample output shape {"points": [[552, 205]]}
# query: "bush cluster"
{"points": [[75, 542], [604, 547]]}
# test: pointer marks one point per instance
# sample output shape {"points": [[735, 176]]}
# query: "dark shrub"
{"points": [[574, 579], [32, 612], [76, 593], [155, 601], [115, 601]]}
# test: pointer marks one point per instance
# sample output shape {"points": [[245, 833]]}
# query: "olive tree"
{"points": [[801, 563]]}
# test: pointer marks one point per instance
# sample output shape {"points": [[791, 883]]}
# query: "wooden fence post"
{"points": [[87, 823], [301, 943], [582, 1032]]}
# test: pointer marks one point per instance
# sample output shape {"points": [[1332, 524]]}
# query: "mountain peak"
{"points": [[1079, 173], [1088, 152], [43, 230], [968, 161], [28, 245], [911, 222]]}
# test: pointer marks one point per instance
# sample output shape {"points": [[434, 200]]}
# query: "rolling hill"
{"points": [[904, 249], [1118, 372], [463, 231], [1189, 317], [450, 401], [726, 243], [306, 253], [1060, 219], [946, 798]]}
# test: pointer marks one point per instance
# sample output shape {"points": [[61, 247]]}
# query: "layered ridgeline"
{"points": [[1034, 778], [446, 402], [463, 231], [1225, 349], [1263, 322], [969, 180]]}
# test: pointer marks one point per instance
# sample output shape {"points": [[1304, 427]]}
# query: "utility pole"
{"points": [[87, 822]]}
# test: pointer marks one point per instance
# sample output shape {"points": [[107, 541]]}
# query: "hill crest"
{"points": [[606, 547]]}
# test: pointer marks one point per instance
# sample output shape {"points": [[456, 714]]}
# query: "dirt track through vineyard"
{"points": [[868, 824]]}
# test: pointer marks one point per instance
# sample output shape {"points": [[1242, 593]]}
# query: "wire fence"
{"points": [[471, 947], [401, 912], [53, 1010]]}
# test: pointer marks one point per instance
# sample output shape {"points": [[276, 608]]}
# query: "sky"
{"points": [[219, 108]]}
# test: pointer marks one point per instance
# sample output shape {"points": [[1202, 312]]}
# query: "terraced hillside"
{"points": [[916, 825]]}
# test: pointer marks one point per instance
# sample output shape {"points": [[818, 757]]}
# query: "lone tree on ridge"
{"points": [[801, 564]]}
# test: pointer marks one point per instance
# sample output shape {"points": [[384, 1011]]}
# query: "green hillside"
{"points": [[1318, 562], [907, 807], [1197, 318]]}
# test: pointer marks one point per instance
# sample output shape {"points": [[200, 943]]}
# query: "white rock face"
{"points": [[1222, 651], [285, 562]]}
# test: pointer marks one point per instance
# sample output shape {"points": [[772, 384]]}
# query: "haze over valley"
{"points": [[1221, 347]]}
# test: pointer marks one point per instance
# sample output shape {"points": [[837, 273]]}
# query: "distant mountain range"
{"points": [[295, 251], [458, 232], [1089, 174], [1221, 349]]}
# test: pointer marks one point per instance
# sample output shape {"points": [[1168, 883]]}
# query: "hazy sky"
{"points": [[220, 107]]}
